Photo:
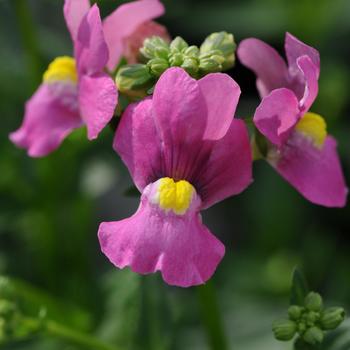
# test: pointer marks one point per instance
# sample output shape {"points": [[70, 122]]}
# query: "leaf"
{"points": [[299, 288]]}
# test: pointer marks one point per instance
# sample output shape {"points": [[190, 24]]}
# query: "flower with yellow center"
{"points": [[61, 69]]}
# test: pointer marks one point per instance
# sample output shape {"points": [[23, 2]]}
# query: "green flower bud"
{"points": [[157, 66], [190, 65], [134, 80], [224, 42], [294, 312], [154, 47], [332, 317], [313, 336], [209, 65], [284, 329], [313, 302], [192, 51], [178, 45], [176, 59], [301, 327]]}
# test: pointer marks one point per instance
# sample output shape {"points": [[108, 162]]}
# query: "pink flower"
{"points": [[300, 149], [185, 153], [126, 28], [75, 91]]}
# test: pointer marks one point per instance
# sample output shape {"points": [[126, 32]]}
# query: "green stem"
{"points": [[211, 317]]}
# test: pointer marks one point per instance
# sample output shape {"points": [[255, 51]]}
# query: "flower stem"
{"points": [[211, 316]]}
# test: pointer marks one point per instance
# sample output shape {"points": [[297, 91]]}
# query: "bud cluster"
{"points": [[214, 55], [308, 321]]}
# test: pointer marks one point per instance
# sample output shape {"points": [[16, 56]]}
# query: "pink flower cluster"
{"points": [[183, 146]]}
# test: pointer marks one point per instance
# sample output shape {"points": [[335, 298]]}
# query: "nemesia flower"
{"points": [[300, 149], [185, 152], [126, 28], [75, 91]]}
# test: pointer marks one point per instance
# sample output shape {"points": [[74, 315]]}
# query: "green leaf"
{"points": [[299, 288]]}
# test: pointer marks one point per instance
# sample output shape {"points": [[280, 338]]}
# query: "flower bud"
{"points": [[178, 45], [154, 47], [294, 312], [224, 42], [190, 65], [312, 317], [332, 317], [313, 336], [192, 51], [176, 59], [284, 329], [209, 65], [313, 302], [157, 66], [134, 78]]}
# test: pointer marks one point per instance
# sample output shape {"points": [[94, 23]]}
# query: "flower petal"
{"points": [[221, 93], [295, 49], [124, 21], [310, 73], [265, 62], [228, 170], [277, 114], [315, 173], [179, 246], [98, 98], [47, 121], [74, 11], [180, 113], [138, 143], [91, 51]]}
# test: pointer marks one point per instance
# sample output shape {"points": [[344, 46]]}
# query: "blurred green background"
{"points": [[50, 208]]}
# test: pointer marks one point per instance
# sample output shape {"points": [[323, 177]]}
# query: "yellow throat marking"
{"points": [[61, 69], [175, 196], [313, 126]]}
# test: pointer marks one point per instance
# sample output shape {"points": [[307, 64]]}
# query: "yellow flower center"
{"points": [[175, 196], [61, 69], [313, 126]]}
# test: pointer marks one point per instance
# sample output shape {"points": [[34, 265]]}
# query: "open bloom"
{"points": [[299, 147], [128, 26], [75, 91], [185, 152]]}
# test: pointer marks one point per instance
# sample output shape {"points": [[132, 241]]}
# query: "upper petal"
{"points": [[277, 114], [124, 21], [91, 51], [47, 121], [265, 62], [315, 173], [138, 143], [295, 49], [98, 98], [228, 169], [221, 93], [179, 246], [74, 11]]}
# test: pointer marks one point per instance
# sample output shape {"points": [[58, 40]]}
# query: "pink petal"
{"points": [[47, 121], [277, 114], [221, 93], [91, 50], [315, 173], [180, 113], [124, 21], [228, 169], [295, 49], [310, 74], [265, 62], [179, 246], [98, 98], [74, 11], [138, 143]]}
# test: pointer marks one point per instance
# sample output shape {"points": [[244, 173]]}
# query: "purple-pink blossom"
{"points": [[299, 147], [185, 152]]}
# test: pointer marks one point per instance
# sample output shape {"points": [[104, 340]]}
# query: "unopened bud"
{"points": [[192, 51], [224, 42], [154, 47], [294, 312], [284, 329], [176, 59], [209, 65], [313, 336], [332, 317], [190, 65], [312, 317], [178, 45], [157, 66], [313, 302]]}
